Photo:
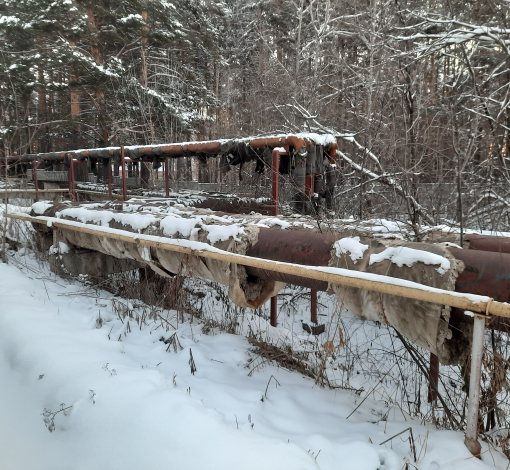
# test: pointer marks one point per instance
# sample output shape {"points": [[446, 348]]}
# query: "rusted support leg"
{"points": [[474, 387], [275, 181], [274, 211], [72, 191], [274, 310], [313, 306], [123, 167], [34, 177], [167, 183], [110, 195], [433, 378]]}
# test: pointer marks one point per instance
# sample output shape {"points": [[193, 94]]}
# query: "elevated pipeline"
{"points": [[485, 273]]}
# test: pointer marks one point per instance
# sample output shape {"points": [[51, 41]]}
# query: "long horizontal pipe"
{"points": [[176, 149], [31, 191], [374, 282]]}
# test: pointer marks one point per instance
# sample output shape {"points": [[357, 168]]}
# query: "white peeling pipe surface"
{"points": [[474, 382]]}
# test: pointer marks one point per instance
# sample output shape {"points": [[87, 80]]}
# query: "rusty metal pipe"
{"points": [[486, 273], [291, 246], [332, 154], [184, 148], [487, 243]]}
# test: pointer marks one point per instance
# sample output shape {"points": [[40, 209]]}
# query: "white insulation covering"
{"points": [[362, 250], [424, 323]]}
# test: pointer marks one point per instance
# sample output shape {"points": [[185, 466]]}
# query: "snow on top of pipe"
{"points": [[220, 233], [173, 225], [103, 218], [319, 139], [40, 207], [350, 246], [199, 247], [401, 255], [270, 223]]}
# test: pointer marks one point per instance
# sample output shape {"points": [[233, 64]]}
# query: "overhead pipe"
{"points": [[485, 273], [176, 149], [374, 282]]}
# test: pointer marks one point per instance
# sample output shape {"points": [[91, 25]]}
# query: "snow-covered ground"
{"points": [[132, 402]]}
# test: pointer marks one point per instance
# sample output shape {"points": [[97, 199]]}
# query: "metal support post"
{"points": [[274, 310], [474, 386], [34, 177], [275, 180], [313, 306], [274, 211], [110, 195], [72, 189], [123, 166], [433, 378], [167, 182]]}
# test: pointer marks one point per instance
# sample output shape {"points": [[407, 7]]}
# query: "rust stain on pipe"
{"points": [[486, 273], [289, 246], [332, 154], [488, 243], [210, 147]]}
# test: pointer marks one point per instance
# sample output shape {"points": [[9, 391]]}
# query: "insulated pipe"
{"points": [[488, 243], [292, 246], [485, 273], [356, 279], [205, 147]]}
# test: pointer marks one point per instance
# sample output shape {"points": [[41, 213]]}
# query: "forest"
{"points": [[401, 109], [416, 93]]}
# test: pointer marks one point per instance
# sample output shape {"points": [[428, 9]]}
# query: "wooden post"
{"points": [[433, 378], [313, 306], [72, 192], [474, 387], [34, 177], [274, 211], [110, 195], [167, 183], [123, 166]]}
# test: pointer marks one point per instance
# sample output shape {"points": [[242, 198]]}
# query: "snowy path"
{"points": [[52, 352]]}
